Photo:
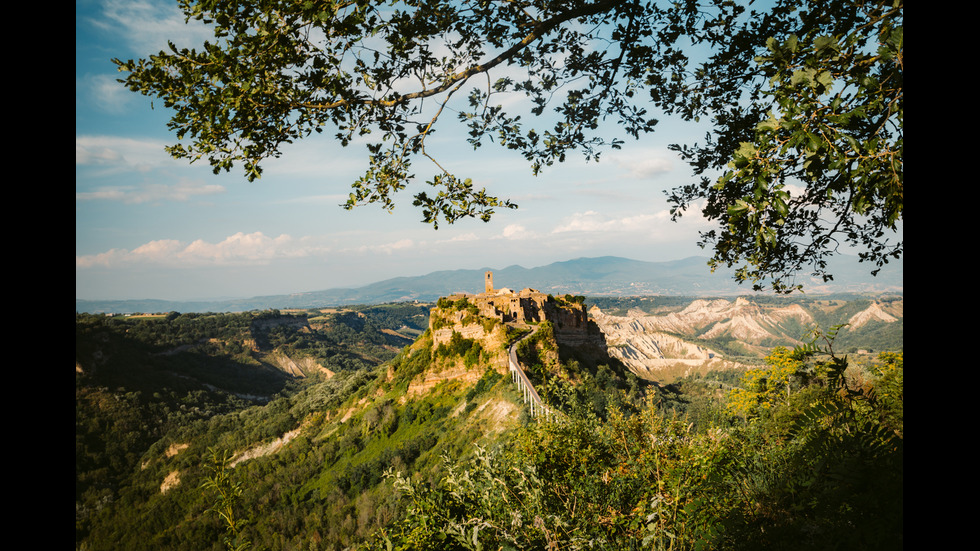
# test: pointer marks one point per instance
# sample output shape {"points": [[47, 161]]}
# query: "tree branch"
{"points": [[537, 31]]}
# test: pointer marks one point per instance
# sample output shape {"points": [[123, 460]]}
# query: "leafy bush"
{"points": [[818, 467], [460, 347]]}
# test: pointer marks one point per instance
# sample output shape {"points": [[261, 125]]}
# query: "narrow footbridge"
{"points": [[531, 396]]}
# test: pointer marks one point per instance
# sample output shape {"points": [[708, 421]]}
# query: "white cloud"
{"points": [[385, 248], [104, 194], [182, 191], [795, 190], [158, 251], [109, 258], [240, 248], [644, 165], [515, 231], [120, 153], [105, 94], [148, 25], [114, 155], [462, 238], [649, 225]]}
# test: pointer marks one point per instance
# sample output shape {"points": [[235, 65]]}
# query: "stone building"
{"points": [[507, 305], [525, 306], [570, 319]]}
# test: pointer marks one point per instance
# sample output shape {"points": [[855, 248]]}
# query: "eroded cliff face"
{"points": [[301, 367], [876, 312], [656, 346], [652, 354], [741, 319], [491, 334], [443, 323], [660, 346], [573, 327]]}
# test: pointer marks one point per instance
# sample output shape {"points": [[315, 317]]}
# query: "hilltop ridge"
{"points": [[604, 276]]}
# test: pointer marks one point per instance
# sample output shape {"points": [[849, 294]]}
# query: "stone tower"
{"points": [[489, 282]]}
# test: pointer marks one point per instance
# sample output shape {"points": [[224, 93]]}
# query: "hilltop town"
{"points": [[567, 313], [526, 306]]}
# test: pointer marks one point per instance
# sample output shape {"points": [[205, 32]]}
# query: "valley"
{"points": [[345, 427]]}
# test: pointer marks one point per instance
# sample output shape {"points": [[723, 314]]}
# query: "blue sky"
{"points": [[147, 226]]}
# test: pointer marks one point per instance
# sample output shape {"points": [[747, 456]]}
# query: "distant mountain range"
{"points": [[603, 276]]}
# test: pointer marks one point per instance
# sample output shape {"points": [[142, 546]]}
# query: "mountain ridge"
{"points": [[598, 276]]}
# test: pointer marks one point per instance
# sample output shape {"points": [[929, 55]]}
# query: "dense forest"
{"points": [[189, 436]]}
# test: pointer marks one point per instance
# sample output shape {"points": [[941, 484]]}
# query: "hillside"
{"points": [[377, 406], [339, 405], [340, 438], [142, 382]]}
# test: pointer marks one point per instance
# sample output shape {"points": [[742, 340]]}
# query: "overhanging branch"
{"points": [[537, 31]]}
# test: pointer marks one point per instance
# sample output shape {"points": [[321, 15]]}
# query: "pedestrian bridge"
{"points": [[531, 397]]}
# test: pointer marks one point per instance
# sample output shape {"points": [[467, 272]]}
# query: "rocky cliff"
{"points": [[659, 346], [639, 341], [875, 312], [461, 320]]}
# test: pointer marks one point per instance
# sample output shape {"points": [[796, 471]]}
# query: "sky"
{"points": [[148, 226]]}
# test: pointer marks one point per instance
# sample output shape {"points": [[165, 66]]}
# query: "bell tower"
{"points": [[488, 280]]}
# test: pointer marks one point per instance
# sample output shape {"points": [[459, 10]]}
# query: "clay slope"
{"points": [[655, 345], [875, 312], [303, 367]]}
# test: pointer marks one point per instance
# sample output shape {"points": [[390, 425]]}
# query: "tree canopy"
{"points": [[804, 100]]}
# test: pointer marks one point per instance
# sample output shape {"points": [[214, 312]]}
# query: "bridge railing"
{"points": [[519, 377]]}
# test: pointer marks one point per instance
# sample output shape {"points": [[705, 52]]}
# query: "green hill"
{"points": [[369, 443]]}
